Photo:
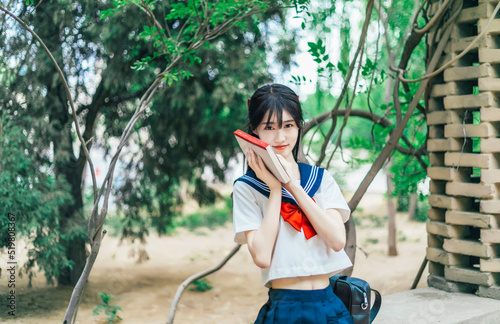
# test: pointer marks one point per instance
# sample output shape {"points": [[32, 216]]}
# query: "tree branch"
{"points": [[346, 115], [194, 277], [369, 8], [377, 120], [436, 18], [459, 56], [398, 131]]}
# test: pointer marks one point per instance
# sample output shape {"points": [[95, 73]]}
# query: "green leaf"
{"points": [[341, 67]]}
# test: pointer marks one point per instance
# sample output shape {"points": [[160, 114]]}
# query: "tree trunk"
{"points": [[412, 206], [350, 246], [73, 229], [72, 222], [391, 215]]}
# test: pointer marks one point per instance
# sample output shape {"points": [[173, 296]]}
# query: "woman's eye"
{"points": [[268, 128], [288, 125]]}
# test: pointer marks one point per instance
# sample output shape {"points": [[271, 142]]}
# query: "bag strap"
{"points": [[376, 305]]}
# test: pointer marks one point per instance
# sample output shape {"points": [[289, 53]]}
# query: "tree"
{"points": [[173, 45], [107, 49], [83, 45]]}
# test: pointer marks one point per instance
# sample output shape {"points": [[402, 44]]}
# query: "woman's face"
{"points": [[281, 139]]}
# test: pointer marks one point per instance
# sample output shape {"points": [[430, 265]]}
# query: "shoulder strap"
{"points": [[376, 305]]}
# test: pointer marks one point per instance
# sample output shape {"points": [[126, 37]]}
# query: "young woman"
{"points": [[294, 231]]}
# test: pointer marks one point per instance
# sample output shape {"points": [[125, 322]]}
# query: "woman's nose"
{"points": [[280, 136]]}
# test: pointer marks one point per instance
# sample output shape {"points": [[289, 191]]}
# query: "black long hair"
{"points": [[274, 98]]}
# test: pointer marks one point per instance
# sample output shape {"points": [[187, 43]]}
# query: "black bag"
{"points": [[355, 293]]}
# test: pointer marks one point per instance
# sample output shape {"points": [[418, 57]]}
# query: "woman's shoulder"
{"points": [[240, 184], [242, 187]]}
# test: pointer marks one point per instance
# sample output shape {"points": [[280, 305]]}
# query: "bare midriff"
{"points": [[302, 283]]}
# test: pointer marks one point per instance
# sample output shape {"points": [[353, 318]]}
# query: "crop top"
{"points": [[294, 255]]}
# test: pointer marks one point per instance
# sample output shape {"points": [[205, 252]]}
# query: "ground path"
{"points": [[146, 290]]}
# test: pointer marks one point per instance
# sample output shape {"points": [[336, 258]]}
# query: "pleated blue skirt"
{"points": [[286, 306]]}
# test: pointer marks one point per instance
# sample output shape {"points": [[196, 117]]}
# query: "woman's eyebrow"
{"points": [[272, 123]]}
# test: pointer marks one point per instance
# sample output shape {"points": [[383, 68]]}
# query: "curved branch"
{"points": [[398, 131], [459, 56], [349, 108], [380, 120], [437, 17], [369, 9], [415, 16], [194, 277]]}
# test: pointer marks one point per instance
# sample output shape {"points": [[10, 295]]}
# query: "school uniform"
{"points": [[298, 251]]}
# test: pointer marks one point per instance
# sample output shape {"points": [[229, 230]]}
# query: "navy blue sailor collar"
{"points": [[310, 179]]}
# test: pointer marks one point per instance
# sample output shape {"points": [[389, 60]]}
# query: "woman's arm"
{"points": [[328, 224], [261, 241]]}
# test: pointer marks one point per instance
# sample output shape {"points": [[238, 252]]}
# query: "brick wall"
{"points": [[463, 115]]}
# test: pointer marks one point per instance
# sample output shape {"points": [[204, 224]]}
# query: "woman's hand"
{"points": [[255, 162], [292, 171]]}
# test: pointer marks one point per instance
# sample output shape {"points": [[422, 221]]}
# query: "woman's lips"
{"points": [[280, 147]]}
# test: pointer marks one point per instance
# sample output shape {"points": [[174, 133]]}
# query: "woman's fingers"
{"points": [[258, 166], [251, 158], [260, 163]]}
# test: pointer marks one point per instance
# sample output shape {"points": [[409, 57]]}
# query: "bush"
{"points": [[200, 285], [210, 217]]}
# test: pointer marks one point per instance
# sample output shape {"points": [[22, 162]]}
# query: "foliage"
{"points": [[185, 24], [110, 310], [186, 138], [422, 207], [32, 196], [34, 97], [359, 139]]}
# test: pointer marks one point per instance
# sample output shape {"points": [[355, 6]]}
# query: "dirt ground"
{"points": [[146, 290]]}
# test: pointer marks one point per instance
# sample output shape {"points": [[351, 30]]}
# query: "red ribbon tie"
{"points": [[293, 215]]}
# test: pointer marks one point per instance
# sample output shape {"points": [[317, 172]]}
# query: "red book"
{"points": [[265, 151]]}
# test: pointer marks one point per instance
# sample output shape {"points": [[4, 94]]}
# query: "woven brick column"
{"points": [[464, 154]]}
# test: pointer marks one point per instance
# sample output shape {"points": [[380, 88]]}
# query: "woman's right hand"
{"points": [[255, 162]]}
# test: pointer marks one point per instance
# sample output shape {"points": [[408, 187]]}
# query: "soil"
{"points": [[145, 290]]}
